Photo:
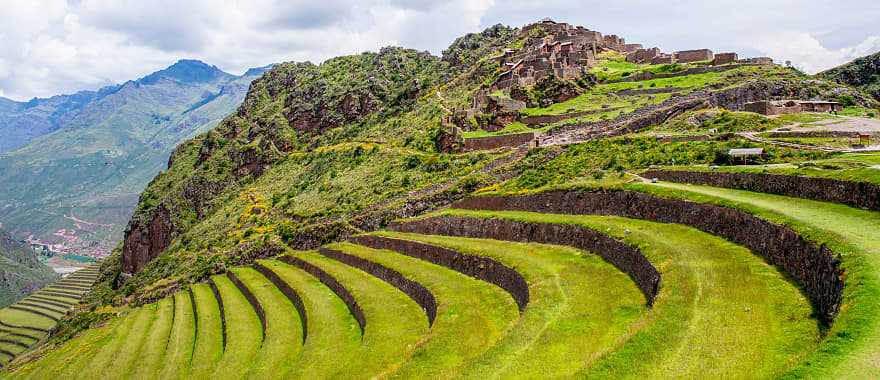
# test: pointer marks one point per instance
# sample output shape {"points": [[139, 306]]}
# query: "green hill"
{"points": [[21, 272], [863, 73], [81, 169]]}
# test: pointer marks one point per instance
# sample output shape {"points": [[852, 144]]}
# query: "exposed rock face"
{"points": [[813, 267], [146, 239], [857, 194]]}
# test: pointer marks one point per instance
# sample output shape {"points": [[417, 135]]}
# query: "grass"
{"points": [[243, 331], [472, 315], [131, 353], [833, 142], [153, 351], [23, 318], [395, 323], [104, 354], [208, 346], [713, 296], [859, 167], [512, 128], [579, 306], [69, 357], [176, 360], [333, 336], [280, 352], [852, 344]]}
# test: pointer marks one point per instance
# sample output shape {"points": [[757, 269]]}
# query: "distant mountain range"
{"points": [[72, 166]]}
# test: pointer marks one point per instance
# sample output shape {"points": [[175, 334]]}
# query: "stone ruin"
{"points": [[781, 107]]}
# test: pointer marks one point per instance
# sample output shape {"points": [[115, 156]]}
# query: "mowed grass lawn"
{"points": [[472, 315], [853, 345], [333, 337], [395, 323], [579, 307], [721, 312]]}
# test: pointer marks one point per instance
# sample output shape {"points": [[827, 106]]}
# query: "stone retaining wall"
{"points": [[353, 307], [255, 303], [813, 134], [192, 303], [548, 119], [495, 142], [288, 292], [32, 311], [857, 194], [222, 310], [414, 290], [813, 267], [623, 256], [645, 75], [61, 294], [479, 267]]}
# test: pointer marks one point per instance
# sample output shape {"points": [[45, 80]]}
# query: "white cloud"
{"points": [[60, 46], [807, 53]]}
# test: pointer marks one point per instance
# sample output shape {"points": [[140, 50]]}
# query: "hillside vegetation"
{"points": [[324, 230], [21, 272], [863, 73]]}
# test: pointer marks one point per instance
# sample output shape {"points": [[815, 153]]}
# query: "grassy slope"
{"points": [[175, 362], [852, 345], [73, 354], [864, 167], [471, 315], [208, 346], [333, 335], [243, 331], [721, 311], [280, 352], [395, 323], [579, 306], [152, 354]]}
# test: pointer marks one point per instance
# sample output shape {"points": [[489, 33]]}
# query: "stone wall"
{"points": [[725, 58], [353, 307], [479, 267], [252, 300], [494, 142], [687, 56], [857, 194], [219, 299], [288, 292], [623, 256], [813, 267], [412, 289]]}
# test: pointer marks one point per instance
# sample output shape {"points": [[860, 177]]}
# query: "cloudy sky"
{"points": [[49, 47]]}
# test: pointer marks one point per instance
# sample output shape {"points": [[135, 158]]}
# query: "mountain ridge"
{"points": [[102, 147]]}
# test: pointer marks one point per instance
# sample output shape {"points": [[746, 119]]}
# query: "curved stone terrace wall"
{"points": [[416, 291], [479, 267], [623, 256], [495, 142], [813, 267], [288, 292], [857, 194], [255, 303], [353, 307]]}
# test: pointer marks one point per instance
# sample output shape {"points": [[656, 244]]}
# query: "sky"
{"points": [[49, 47]]}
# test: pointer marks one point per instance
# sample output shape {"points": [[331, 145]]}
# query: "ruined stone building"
{"points": [[780, 107], [564, 50]]}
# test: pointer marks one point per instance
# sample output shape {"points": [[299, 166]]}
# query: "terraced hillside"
{"points": [[29, 321], [321, 232]]}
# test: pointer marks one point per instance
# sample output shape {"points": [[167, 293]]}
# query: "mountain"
{"points": [[316, 153], [77, 162], [21, 272], [863, 73]]}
